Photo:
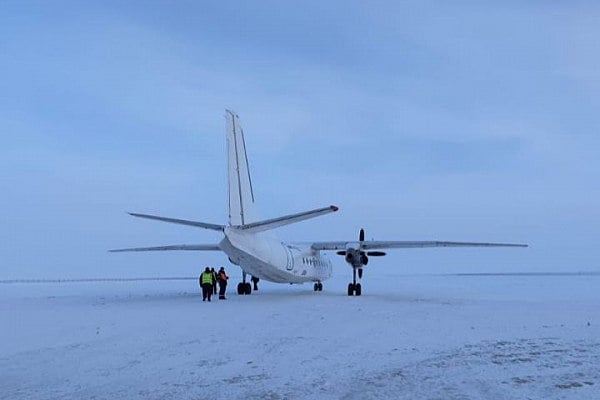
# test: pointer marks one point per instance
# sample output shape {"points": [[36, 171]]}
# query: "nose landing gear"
{"points": [[355, 289], [318, 287]]}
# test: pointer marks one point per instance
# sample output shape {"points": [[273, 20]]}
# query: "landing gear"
{"points": [[244, 288], [355, 289], [318, 287]]}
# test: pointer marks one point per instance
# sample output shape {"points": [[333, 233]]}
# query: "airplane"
{"points": [[250, 243]]}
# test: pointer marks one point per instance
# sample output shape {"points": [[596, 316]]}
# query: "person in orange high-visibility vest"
{"points": [[222, 279]]}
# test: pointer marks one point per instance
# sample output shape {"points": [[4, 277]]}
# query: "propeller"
{"points": [[361, 239]]}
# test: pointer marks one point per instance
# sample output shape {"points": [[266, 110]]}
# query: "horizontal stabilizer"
{"points": [[285, 220], [197, 224], [188, 247], [377, 244]]}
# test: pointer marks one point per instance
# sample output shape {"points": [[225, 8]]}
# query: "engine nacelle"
{"points": [[352, 246], [350, 257], [364, 260], [356, 258]]}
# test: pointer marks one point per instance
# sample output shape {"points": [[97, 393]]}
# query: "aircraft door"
{"points": [[290, 259]]}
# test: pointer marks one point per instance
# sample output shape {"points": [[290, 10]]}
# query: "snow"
{"points": [[407, 337]]}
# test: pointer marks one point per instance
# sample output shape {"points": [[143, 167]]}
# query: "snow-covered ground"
{"points": [[407, 337]]}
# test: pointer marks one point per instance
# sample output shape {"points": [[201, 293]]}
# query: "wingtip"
{"points": [[334, 208]]}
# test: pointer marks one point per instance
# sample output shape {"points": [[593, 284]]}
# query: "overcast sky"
{"points": [[474, 121]]}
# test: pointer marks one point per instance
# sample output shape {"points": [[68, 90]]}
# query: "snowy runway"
{"points": [[430, 337]]}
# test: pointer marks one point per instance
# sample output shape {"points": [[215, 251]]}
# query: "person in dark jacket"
{"points": [[222, 279], [206, 282], [214, 284]]}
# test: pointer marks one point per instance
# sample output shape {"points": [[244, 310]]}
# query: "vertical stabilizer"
{"points": [[241, 196]]}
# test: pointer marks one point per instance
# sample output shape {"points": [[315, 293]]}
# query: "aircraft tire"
{"points": [[240, 288], [320, 287], [316, 287], [247, 289], [358, 290], [350, 289]]}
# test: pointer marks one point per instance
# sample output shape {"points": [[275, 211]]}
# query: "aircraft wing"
{"points": [[378, 244], [188, 247]]}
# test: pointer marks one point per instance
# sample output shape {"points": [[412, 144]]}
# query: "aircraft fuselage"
{"points": [[263, 256]]}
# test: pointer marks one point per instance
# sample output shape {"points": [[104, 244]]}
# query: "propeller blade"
{"points": [[361, 236], [376, 253]]}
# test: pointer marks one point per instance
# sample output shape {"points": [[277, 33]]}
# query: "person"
{"points": [[206, 282], [214, 284], [222, 277]]}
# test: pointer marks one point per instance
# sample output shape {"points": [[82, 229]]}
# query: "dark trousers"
{"points": [[214, 288], [206, 291], [222, 288]]}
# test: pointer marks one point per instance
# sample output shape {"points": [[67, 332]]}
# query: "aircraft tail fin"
{"points": [[241, 195]]}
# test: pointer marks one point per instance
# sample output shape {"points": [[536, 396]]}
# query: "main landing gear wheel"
{"points": [[318, 287], [354, 289], [244, 288]]}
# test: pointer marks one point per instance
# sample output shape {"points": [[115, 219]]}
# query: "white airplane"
{"points": [[250, 244]]}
